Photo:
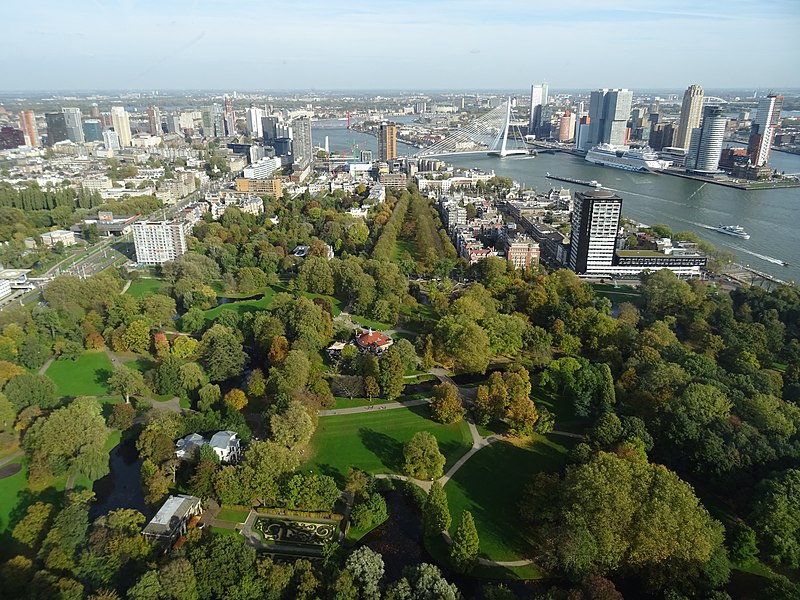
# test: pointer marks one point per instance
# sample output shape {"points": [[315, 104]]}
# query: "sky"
{"points": [[398, 44]]}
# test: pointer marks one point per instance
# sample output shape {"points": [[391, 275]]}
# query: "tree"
{"points": [[775, 513], [521, 415], [127, 382], [185, 347], [366, 568], [121, 417], [136, 337], [32, 527], [466, 544], [191, 376], [436, 511], [193, 320], [208, 395], [236, 399], [446, 405], [423, 460], [482, 408], [294, 427], [278, 349], [222, 354], [371, 387], [315, 275], [391, 375], [256, 384], [158, 309], [422, 581], [31, 390], [177, 578], [465, 342], [7, 413]]}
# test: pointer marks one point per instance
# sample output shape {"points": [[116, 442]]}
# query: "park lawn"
{"points": [[370, 324], [403, 246], [10, 488], [140, 364], [373, 441], [490, 484], [233, 515], [86, 376], [241, 306], [224, 531], [145, 287], [617, 295], [336, 304]]}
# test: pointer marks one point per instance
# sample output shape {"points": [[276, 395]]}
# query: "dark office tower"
{"points": [[73, 119], [609, 111], [11, 137], [595, 225], [269, 126], [56, 128], [661, 135], [387, 142], [705, 147], [93, 130], [691, 110]]}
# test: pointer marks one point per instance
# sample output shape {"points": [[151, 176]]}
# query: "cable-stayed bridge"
{"points": [[488, 133]]}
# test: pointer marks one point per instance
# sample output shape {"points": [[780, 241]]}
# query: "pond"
{"points": [[121, 488]]}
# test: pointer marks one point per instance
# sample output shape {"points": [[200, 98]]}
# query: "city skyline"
{"points": [[345, 47]]}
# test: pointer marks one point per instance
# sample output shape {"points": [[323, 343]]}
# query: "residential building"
{"points": [[111, 140], [387, 142], [271, 187], [373, 341], [93, 130], [27, 122], [252, 120], [157, 242], [302, 145], [154, 120], [72, 119], [56, 128], [5, 288], [122, 125], [566, 127], [609, 110], [521, 251], [691, 111], [229, 117], [172, 519], [366, 156], [595, 225], [762, 132], [11, 137], [705, 147], [262, 169], [226, 445]]}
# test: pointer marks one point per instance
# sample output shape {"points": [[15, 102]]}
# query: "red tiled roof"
{"points": [[373, 338]]}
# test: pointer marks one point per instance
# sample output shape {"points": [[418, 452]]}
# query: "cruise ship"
{"points": [[630, 159], [736, 230]]}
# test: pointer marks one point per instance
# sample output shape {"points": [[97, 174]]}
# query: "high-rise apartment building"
{"points": [[762, 132], [302, 146], [691, 111], [229, 117], [538, 100], [154, 120], [27, 122], [56, 128], [252, 121], [157, 242], [122, 125], [705, 146], [387, 142], [595, 226], [566, 127], [72, 118], [608, 117], [111, 140]]}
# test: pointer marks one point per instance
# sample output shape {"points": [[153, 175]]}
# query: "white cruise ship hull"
{"points": [[626, 164]]}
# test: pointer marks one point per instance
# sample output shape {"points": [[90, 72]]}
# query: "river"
{"points": [[683, 204]]}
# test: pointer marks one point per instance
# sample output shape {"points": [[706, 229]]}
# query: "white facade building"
{"points": [[157, 242], [262, 169], [122, 125], [595, 224], [705, 146]]}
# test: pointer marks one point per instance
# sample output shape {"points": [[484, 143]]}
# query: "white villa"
{"points": [[226, 444]]}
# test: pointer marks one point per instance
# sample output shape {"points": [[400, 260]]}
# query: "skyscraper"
{"points": [[122, 125], [56, 128], [762, 132], [157, 242], [92, 130], [252, 121], [593, 238], [111, 140], [302, 148], [691, 110], [387, 142], [154, 120], [230, 117], [27, 122], [72, 118], [705, 146], [538, 100], [608, 117]]}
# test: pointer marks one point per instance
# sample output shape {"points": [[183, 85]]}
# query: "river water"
{"points": [[768, 216]]}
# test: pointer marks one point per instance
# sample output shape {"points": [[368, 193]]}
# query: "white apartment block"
{"points": [[157, 242]]}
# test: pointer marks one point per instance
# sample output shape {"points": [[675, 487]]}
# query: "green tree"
{"points": [[422, 457], [446, 405], [127, 382], [391, 375], [193, 320], [466, 545], [294, 427], [775, 514], [315, 275], [136, 337], [482, 408], [31, 390], [222, 354], [158, 309], [191, 376], [32, 527], [465, 342], [436, 511], [422, 581], [121, 417], [366, 568], [208, 395]]}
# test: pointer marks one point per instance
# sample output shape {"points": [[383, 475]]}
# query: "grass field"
{"points": [[617, 295], [241, 306], [145, 287], [10, 487], [403, 246], [374, 441], [234, 515], [84, 377], [509, 468], [370, 324]]}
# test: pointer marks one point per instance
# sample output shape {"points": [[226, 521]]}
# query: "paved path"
{"points": [[126, 286], [11, 457], [46, 365], [568, 434], [372, 408]]}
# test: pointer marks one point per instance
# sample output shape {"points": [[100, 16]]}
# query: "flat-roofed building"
{"points": [[172, 519], [157, 242]]}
